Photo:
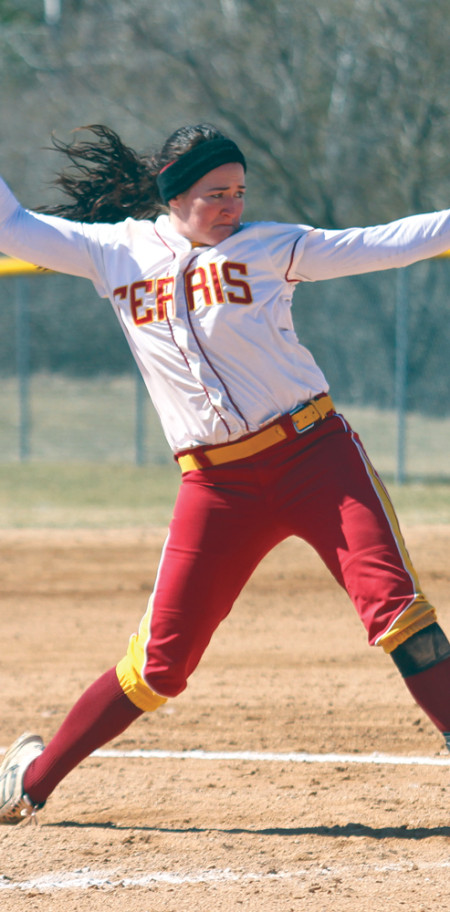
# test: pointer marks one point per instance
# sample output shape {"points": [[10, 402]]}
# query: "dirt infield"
{"points": [[289, 671]]}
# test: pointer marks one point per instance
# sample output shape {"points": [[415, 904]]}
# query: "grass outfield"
{"points": [[74, 495], [85, 495]]}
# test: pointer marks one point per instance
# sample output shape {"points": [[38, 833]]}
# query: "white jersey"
{"points": [[211, 327]]}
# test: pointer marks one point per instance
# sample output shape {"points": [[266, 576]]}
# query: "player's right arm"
{"points": [[45, 240]]}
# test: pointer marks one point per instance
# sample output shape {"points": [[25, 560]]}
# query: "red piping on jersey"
{"points": [[182, 353], [163, 241], [209, 363], [286, 276], [186, 361]]}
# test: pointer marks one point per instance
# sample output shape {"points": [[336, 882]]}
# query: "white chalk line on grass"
{"points": [[86, 878], [268, 757]]}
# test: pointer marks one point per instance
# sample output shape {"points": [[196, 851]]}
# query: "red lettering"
{"points": [[121, 292], [213, 283], [140, 312], [195, 280], [218, 291], [164, 296], [241, 268]]}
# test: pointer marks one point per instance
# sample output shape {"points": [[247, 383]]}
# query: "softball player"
{"points": [[204, 301]]}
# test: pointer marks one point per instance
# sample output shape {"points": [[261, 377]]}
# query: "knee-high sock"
{"points": [[431, 690], [101, 713]]}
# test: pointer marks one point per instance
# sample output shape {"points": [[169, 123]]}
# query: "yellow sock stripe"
{"points": [[130, 669], [135, 688], [417, 616], [419, 613]]}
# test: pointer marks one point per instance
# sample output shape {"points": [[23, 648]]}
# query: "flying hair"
{"points": [[108, 181]]}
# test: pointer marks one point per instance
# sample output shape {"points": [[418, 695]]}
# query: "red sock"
{"points": [[431, 690], [100, 714]]}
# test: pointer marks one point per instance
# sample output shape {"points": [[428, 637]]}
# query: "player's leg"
{"points": [[349, 519], [220, 531], [102, 713], [218, 535], [423, 660]]}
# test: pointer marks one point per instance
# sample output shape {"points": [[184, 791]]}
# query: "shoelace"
{"points": [[30, 816]]}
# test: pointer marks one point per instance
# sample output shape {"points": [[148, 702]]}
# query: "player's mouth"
{"points": [[228, 226]]}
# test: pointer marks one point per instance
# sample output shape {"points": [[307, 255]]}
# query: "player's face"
{"points": [[210, 211]]}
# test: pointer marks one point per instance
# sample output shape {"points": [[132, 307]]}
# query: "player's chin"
{"points": [[222, 232]]}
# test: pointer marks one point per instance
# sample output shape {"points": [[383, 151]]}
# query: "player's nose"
{"points": [[231, 205]]}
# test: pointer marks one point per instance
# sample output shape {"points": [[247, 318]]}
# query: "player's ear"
{"points": [[174, 203]]}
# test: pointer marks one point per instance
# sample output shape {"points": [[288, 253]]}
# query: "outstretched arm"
{"points": [[45, 240], [352, 251]]}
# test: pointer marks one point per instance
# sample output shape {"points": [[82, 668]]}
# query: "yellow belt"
{"points": [[304, 417]]}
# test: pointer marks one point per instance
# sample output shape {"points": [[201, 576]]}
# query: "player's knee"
{"points": [[170, 681], [421, 651], [417, 615], [136, 688], [146, 687], [153, 670]]}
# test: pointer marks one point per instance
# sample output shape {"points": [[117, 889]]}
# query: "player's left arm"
{"points": [[328, 254]]}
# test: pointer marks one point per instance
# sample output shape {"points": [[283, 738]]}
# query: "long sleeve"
{"points": [[326, 254], [48, 241]]}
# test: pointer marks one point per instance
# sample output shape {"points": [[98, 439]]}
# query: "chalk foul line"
{"points": [[268, 757], [85, 878]]}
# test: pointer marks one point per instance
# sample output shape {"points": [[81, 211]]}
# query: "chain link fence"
{"points": [[70, 392]]}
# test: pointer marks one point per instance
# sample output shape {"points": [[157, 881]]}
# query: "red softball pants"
{"points": [[320, 487]]}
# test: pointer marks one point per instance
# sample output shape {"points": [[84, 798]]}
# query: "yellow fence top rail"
{"points": [[11, 266]]}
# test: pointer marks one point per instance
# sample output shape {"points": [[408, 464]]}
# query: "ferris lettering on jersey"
{"points": [[151, 300]]}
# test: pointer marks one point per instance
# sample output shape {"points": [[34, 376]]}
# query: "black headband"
{"points": [[180, 174]]}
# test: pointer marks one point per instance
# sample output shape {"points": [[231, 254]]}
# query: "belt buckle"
{"points": [[296, 410]]}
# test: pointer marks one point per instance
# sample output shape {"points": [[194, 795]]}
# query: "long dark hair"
{"points": [[108, 181]]}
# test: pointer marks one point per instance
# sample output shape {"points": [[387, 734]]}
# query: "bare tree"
{"points": [[340, 105]]}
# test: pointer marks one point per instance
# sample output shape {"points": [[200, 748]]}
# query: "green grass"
{"points": [[421, 503], [86, 495], [38, 495]]}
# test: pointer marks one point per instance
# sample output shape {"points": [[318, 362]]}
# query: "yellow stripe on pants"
{"points": [[130, 668], [419, 613]]}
